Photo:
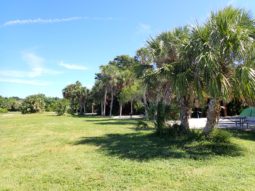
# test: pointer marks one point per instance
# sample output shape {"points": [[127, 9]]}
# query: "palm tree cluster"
{"points": [[77, 94], [214, 61], [117, 80]]}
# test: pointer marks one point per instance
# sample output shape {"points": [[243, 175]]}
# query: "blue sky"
{"points": [[47, 44]]}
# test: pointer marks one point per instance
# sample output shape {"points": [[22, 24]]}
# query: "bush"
{"points": [[142, 125], [15, 106], [220, 136], [61, 106], [3, 110], [152, 109], [235, 107], [172, 111], [33, 104], [174, 130], [50, 103]]}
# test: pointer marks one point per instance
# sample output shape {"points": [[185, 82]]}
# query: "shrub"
{"points": [[50, 103], [15, 105], [61, 106], [3, 110], [152, 109], [173, 111], [142, 125], [235, 107], [220, 136], [33, 104], [174, 130]]}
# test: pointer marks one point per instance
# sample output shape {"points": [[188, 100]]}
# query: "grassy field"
{"points": [[47, 152]]}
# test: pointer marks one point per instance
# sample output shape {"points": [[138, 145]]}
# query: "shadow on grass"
{"points": [[98, 119], [142, 147], [247, 134], [117, 123], [88, 116], [107, 121]]}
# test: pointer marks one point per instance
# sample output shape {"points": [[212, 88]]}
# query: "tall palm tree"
{"points": [[103, 76], [82, 95], [145, 60], [97, 94], [123, 82], [110, 77], [159, 94], [77, 95], [222, 47], [68, 93], [175, 66]]}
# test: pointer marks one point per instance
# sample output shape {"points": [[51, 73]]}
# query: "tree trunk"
{"points": [[81, 106], [72, 106], [212, 115], [80, 109], [105, 96], [92, 108], [84, 108], [160, 117], [120, 109], [131, 108], [225, 109], [111, 103], [145, 106], [102, 107], [184, 114]]}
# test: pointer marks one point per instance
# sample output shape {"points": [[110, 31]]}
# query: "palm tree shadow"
{"points": [[117, 123], [109, 121], [143, 147], [246, 134]]}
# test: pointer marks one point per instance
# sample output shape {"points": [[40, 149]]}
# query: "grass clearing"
{"points": [[48, 152]]}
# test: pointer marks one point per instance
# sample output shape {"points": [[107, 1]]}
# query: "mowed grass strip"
{"points": [[49, 152]]}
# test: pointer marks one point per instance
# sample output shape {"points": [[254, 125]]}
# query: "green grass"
{"points": [[48, 152]]}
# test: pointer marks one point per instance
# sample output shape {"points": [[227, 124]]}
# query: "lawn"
{"points": [[48, 152]]}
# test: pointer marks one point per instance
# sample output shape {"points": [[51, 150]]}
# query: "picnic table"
{"points": [[239, 121]]}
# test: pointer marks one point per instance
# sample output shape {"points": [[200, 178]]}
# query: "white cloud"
{"points": [[72, 66], [40, 21], [37, 68], [36, 63], [231, 2], [52, 20], [89, 86], [13, 73], [22, 81], [33, 59], [144, 28]]}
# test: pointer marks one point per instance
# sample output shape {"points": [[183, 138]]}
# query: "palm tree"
{"points": [[183, 75], [145, 60], [77, 95], [112, 72], [110, 75], [97, 94], [174, 65], [68, 93], [159, 94], [103, 76], [123, 82], [82, 95], [222, 48]]}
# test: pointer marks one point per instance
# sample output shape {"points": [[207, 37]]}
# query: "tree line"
{"points": [[203, 65], [32, 104], [213, 62]]}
